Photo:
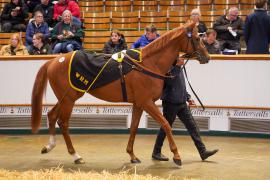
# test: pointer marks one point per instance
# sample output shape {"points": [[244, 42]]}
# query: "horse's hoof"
{"points": [[177, 161], [135, 161], [44, 150], [79, 161]]}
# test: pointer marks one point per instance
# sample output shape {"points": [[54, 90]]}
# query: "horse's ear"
{"points": [[189, 21]]}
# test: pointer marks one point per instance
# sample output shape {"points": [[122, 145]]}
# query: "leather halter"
{"points": [[194, 45]]}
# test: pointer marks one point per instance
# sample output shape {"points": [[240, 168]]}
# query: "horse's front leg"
{"points": [[153, 111], [136, 115]]}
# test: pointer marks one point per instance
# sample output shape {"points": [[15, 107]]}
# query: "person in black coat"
{"points": [[174, 102], [14, 16], [257, 30], [31, 4], [116, 43], [229, 29], [47, 10]]}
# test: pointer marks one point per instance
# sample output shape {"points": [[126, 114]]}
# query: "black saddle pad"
{"points": [[88, 71]]}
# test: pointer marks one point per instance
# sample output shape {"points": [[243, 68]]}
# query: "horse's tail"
{"points": [[37, 96]]}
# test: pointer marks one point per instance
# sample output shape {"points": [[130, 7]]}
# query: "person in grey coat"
{"points": [[257, 30]]}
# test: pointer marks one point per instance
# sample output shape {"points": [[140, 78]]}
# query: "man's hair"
{"points": [[210, 31], [260, 3], [38, 12], [151, 28], [232, 9], [196, 11]]}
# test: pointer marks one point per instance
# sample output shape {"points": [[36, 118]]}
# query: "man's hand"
{"points": [[191, 102], [70, 34], [60, 37], [229, 28]]}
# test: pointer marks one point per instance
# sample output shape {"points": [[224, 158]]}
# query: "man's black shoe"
{"points": [[205, 154], [159, 157]]}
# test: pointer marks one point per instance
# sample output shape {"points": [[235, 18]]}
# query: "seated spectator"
{"points": [[149, 36], [229, 29], [195, 16], [257, 30], [70, 5], [15, 47], [67, 36], [40, 46], [116, 43], [14, 16], [47, 10], [31, 4], [35, 26], [210, 42]]}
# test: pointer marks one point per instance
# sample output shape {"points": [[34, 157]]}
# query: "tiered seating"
{"points": [[176, 18], [131, 16], [159, 19], [2, 4], [92, 6], [118, 6], [247, 4], [125, 20], [192, 4], [205, 5], [5, 38], [172, 5], [97, 21], [149, 5], [225, 4]]}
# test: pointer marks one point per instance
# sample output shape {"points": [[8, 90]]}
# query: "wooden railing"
{"points": [[214, 57]]}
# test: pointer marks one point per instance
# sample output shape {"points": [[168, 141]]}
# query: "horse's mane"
{"points": [[163, 41]]}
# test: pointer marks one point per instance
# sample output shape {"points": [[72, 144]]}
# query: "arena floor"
{"points": [[238, 158]]}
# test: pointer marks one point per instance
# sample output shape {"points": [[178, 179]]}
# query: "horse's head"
{"points": [[195, 47]]}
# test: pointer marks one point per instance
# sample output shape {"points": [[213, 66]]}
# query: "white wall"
{"points": [[226, 83]]}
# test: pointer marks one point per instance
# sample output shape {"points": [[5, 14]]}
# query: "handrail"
{"points": [[259, 57]]}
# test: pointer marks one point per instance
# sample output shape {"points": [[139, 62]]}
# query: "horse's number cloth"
{"points": [[88, 71]]}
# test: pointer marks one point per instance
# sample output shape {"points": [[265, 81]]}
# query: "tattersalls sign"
{"points": [[219, 118]]}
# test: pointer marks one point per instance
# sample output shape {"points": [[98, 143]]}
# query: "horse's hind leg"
{"points": [[153, 111], [52, 117], [63, 122], [136, 115]]}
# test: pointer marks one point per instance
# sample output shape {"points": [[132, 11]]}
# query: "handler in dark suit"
{"points": [[174, 102], [257, 30]]}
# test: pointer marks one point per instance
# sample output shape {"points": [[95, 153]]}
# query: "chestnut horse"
{"points": [[142, 90]]}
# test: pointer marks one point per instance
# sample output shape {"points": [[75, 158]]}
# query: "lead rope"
{"points": [[197, 97]]}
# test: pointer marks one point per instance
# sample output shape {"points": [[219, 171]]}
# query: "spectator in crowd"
{"points": [[174, 102], [210, 42], [35, 26], [116, 43], [40, 46], [70, 5], [229, 29], [67, 36], [195, 17], [31, 4], [15, 47], [257, 30], [14, 16], [149, 36], [47, 10]]}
